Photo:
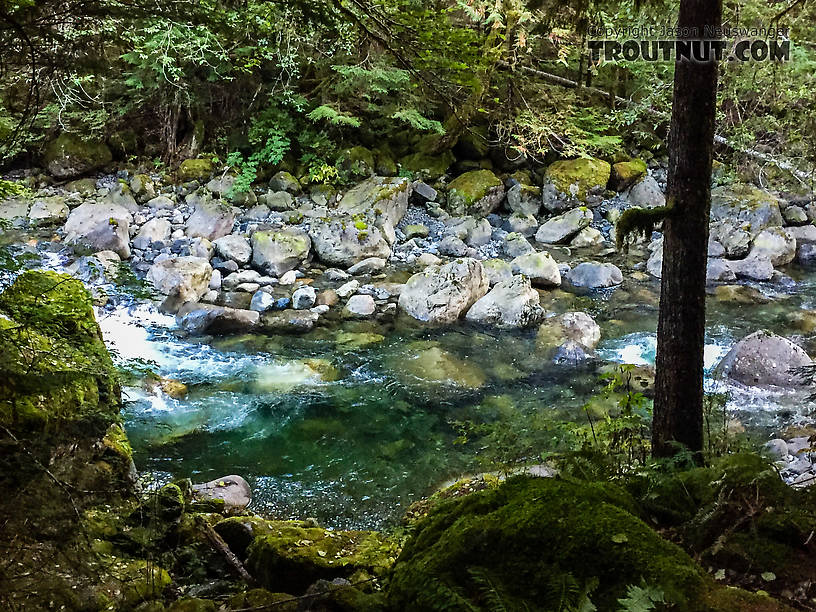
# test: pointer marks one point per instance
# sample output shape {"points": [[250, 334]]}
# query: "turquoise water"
{"points": [[334, 426]]}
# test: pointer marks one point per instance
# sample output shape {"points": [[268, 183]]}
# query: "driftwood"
{"points": [[805, 177], [218, 543]]}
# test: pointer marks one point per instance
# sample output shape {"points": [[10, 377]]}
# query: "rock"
{"points": [[382, 196], [280, 201], [359, 306], [719, 270], [794, 215], [587, 237], [154, 231], [288, 321], [526, 225], [276, 252], [646, 194], [85, 187], [806, 254], [803, 234], [735, 240], [371, 265], [741, 294], [224, 187], [762, 359], [304, 298], [357, 161], [594, 275], [777, 448], [497, 270], [288, 278], [776, 244], [453, 247], [284, 181], [70, 155], [477, 193], [161, 202], [215, 280], [422, 194], [261, 301], [210, 219], [429, 165], [627, 173], [745, 205], [524, 199], [142, 188], [348, 288], [234, 247], [569, 183], [49, 210], [428, 364], [569, 353], [200, 319], [100, 227], [715, 249], [516, 245], [753, 268], [479, 233], [415, 231], [511, 303], [540, 268], [184, 278], [440, 294], [563, 227], [344, 241], [195, 170], [427, 259], [327, 297], [257, 213], [577, 327], [120, 195]]}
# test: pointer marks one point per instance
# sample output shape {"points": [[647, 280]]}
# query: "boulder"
{"points": [[764, 359], [233, 490], [477, 193], [752, 268], [385, 197], [210, 219], [195, 170], [234, 247], [577, 327], [14, 208], [539, 267], [186, 279], [70, 155], [304, 298], [288, 321], [646, 193], [359, 306], [142, 188], [427, 364], [155, 230], [497, 270], [594, 275], [224, 188], [48, 210], [627, 173], [563, 227], [371, 265], [441, 294], [276, 252], [284, 181], [100, 227], [200, 319], [280, 201], [587, 237], [345, 241], [511, 303], [775, 244], [524, 199], [569, 183], [746, 206], [526, 225], [516, 245], [120, 195]]}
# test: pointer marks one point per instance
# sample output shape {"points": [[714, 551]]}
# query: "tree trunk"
{"points": [[678, 406]]}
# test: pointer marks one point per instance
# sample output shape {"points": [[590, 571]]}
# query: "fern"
{"points": [[641, 598], [412, 117], [328, 114]]}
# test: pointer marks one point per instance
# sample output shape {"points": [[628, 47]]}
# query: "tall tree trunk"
{"points": [[678, 407]]}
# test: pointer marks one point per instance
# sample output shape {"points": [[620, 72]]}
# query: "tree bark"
{"points": [[678, 406]]}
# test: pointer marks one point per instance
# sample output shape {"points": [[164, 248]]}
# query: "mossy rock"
{"points": [[261, 599], [428, 165], [472, 144], [294, 554], [577, 178], [526, 541], [384, 164], [358, 161], [70, 155], [627, 173], [478, 193], [195, 170], [192, 604]]}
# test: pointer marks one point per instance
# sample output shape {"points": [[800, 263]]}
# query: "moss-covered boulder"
{"points": [[427, 164], [357, 161], [744, 207], [195, 170], [386, 198], [532, 542], [54, 367], [568, 183], [627, 173], [477, 193], [70, 155]]}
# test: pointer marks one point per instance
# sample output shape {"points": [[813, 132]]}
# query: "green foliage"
{"points": [[641, 599], [332, 117]]}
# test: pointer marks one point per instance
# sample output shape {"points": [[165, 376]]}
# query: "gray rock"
{"points": [[234, 247], [764, 359], [806, 254], [794, 215], [497, 270], [540, 268], [719, 270], [200, 319], [516, 245], [524, 199], [210, 219], [594, 275], [161, 202], [224, 187], [646, 194], [563, 227], [288, 321], [441, 294], [304, 298], [261, 301], [776, 244], [278, 200], [184, 278], [154, 231], [525, 225], [384, 196], [453, 247], [100, 227], [423, 193], [344, 241], [284, 181], [753, 268], [511, 303], [233, 490], [746, 204], [276, 252], [348, 288], [48, 210], [359, 306], [587, 237], [577, 327], [370, 265]]}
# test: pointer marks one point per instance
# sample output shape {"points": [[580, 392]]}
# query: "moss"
{"points": [[473, 186], [195, 170], [531, 537], [627, 173], [577, 177], [294, 554], [192, 604], [729, 599], [261, 598], [358, 161], [70, 155], [639, 221], [430, 165]]}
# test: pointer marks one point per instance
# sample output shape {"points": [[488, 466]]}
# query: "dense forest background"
{"points": [[262, 85]]}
